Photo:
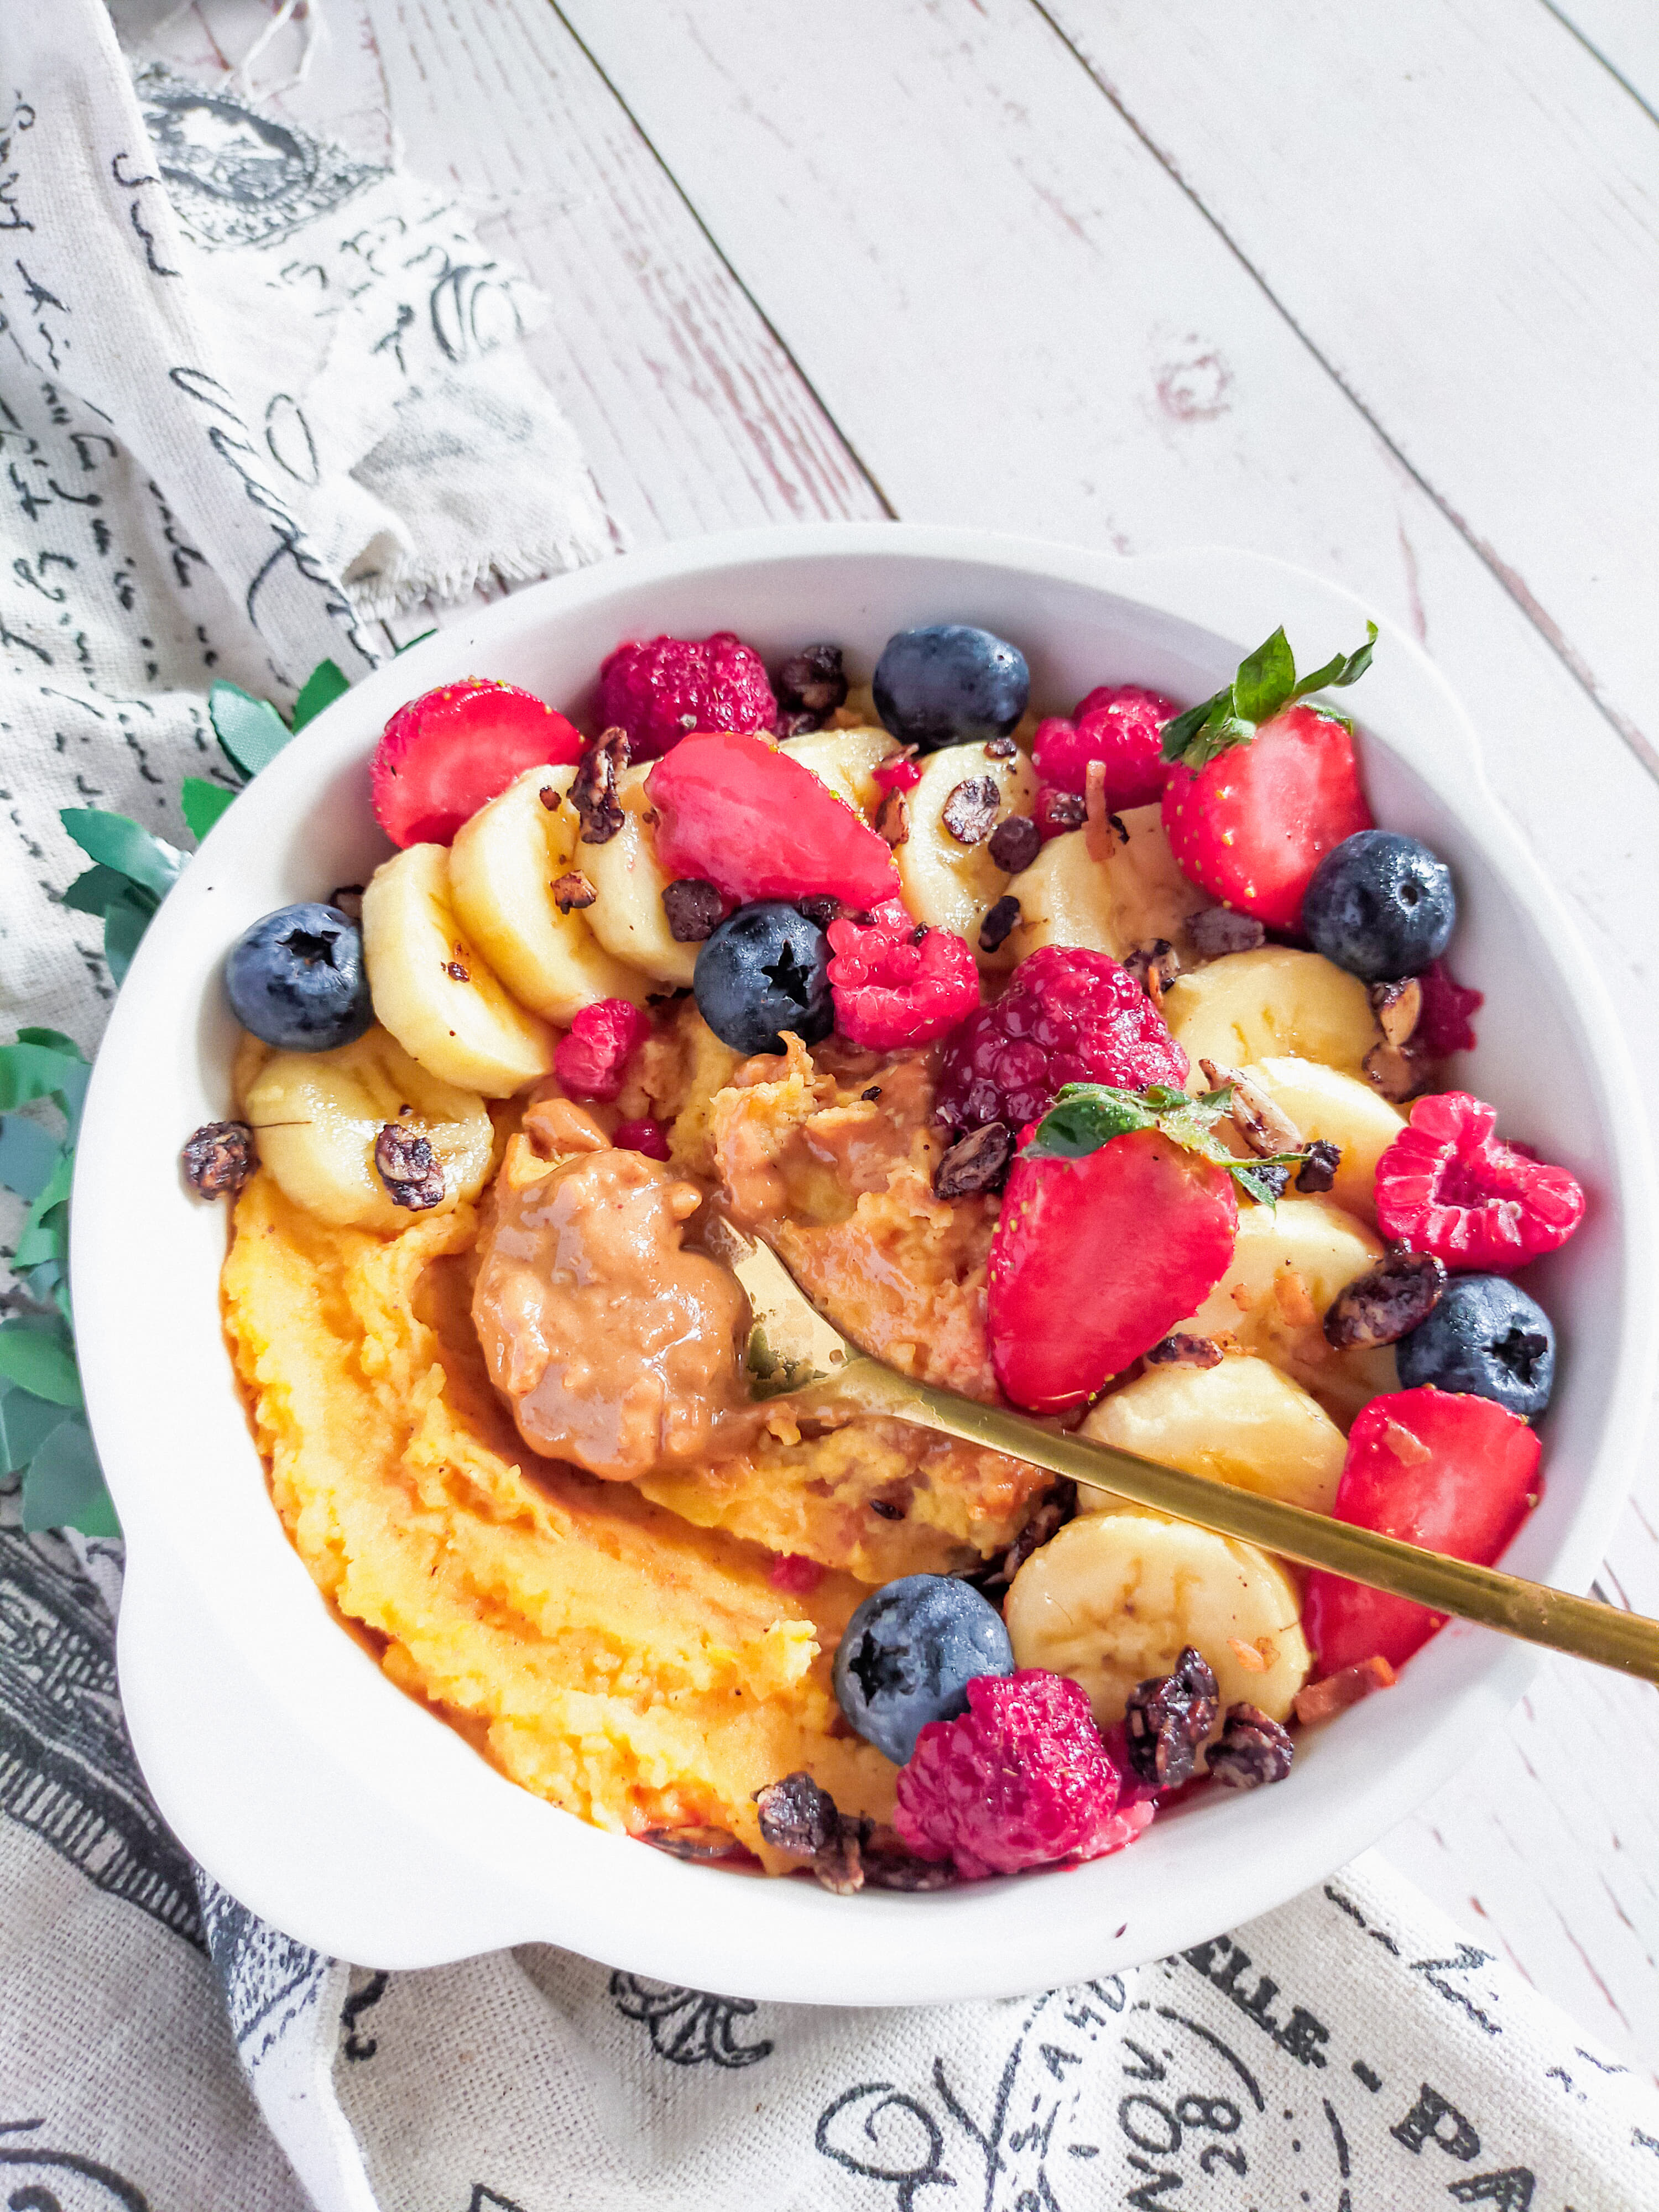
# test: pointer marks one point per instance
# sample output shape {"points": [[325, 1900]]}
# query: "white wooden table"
{"points": [[1375, 288]]}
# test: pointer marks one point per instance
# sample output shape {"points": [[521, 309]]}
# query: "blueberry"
{"points": [[1487, 1339], [909, 1655], [297, 980], [950, 684], [1380, 905], [764, 969]]}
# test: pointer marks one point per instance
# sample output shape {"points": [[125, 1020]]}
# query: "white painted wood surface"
{"points": [[1373, 289]]}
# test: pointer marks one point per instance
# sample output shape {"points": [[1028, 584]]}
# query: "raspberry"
{"points": [[1447, 1186], [589, 1061], [660, 690], [1068, 1015], [1021, 1780], [794, 1574], [1444, 1026], [1121, 725], [644, 1135], [1056, 811], [896, 984], [902, 772]]}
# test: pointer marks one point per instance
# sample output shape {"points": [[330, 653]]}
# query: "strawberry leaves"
{"points": [[1086, 1115], [1263, 685]]}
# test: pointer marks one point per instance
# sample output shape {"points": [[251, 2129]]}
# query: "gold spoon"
{"points": [[793, 1348]]}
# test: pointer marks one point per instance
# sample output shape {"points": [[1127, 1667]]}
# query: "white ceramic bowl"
{"points": [[351, 1817]]}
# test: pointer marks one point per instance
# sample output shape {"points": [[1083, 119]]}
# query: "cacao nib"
{"points": [[797, 1815], [1015, 843], [1318, 1169], [1181, 1351], [219, 1158], [1398, 1008], [409, 1168], [811, 682], [348, 899], [893, 820], [572, 893], [1168, 1717], [970, 810], [1067, 810], [1381, 1307], [975, 1162], [1218, 930], [700, 1846], [1000, 923], [593, 790], [1253, 1750], [1000, 748], [821, 909]]}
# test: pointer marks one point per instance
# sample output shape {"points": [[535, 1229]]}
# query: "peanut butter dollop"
{"points": [[614, 1346]]}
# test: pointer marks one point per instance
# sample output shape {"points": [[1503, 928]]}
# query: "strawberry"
{"points": [[1456, 1474], [737, 813], [448, 753], [1261, 789], [1095, 1258]]}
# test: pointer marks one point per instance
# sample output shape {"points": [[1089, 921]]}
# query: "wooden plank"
{"points": [[1461, 216]]}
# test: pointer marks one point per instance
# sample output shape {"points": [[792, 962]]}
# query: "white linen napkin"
{"points": [[222, 459]]}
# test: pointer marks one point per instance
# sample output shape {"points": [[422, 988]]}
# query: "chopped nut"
{"points": [[1318, 1169], [1154, 966], [1320, 1700], [887, 1864], [219, 1158], [1291, 1297], [1002, 747], [873, 1092], [971, 812], [1015, 843], [593, 789], [1249, 1656], [1386, 1305], [1168, 1717], [1067, 811], [1254, 1750], [1396, 1070], [1398, 1008], [1183, 1351], [573, 892], [810, 682], [797, 1815], [820, 909], [693, 909], [841, 1868], [975, 1162], [1218, 931], [1057, 1505], [348, 899], [886, 1508], [551, 797], [457, 970], [409, 1168], [1267, 1129], [701, 1846], [1409, 1449], [1000, 921], [893, 820], [1103, 832], [1273, 1176]]}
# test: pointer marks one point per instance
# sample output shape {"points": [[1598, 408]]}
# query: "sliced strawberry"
{"points": [[1252, 825], [1456, 1474], [740, 814], [1095, 1260], [449, 752], [1450, 1186]]}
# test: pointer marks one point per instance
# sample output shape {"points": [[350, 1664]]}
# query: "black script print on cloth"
{"points": [[688, 2027], [33, 2179], [268, 1978], [358, 2045], [236, 178], [67, 1770]]}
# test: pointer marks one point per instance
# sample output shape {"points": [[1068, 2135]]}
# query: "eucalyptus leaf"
{"points": [[250, 731], [127, 920], [92, 889], [26, 1422], [56, 1038], [40, 1357], [30, 1070], [28, 1154], [120, 843], [43, 1238], [202, 803], [325, 684], [63, 1487]]}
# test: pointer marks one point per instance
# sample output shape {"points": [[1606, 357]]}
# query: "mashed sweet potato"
{"points": [[618, 1646]]}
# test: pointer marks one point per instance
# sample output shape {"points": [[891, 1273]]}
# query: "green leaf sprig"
{"points": [[1086, 1115], [1263, 685], [43, 1434]]}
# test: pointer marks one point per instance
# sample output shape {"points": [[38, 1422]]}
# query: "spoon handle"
{"points": [[1530, 1610]]}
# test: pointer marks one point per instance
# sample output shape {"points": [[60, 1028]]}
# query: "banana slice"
{"points": [[1343, 1110], [1242, 1422], [503, 867], [627, 917], [1115, 1597], [1289, 1261], [844, 759], [1150, 897], [949, 885], [1254, 1006], [318, 1114], [434, 989], [1065, 898]]}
